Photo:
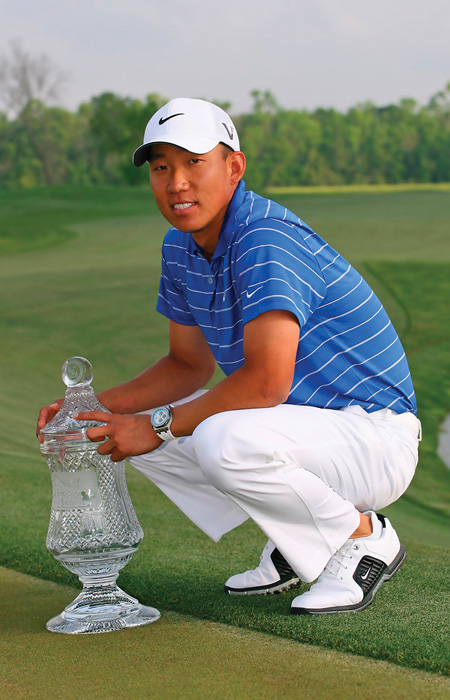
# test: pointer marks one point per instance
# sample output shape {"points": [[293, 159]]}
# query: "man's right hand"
{"points": [[45, 415]]}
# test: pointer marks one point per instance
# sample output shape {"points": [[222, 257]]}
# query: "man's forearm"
{"points": [[166, 381], [270, 346], [244, 388]]}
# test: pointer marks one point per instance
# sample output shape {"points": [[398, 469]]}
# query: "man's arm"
{"points": [[270, 349], [187, 367]]}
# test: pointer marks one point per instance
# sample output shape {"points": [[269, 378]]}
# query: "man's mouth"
{"points": [[183, 205]]}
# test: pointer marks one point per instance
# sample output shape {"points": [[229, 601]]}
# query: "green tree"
{"points": [[264, 102], [115, 127], [405, 142], [26, 82]]}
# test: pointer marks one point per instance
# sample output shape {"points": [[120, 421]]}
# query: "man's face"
{"points": [[193, 191]]}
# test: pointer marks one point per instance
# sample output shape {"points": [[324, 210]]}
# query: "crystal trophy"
{"points": [[93, 529]]}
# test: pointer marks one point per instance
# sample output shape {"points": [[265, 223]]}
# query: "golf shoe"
{"points": [[354, 573], [273, 575]]}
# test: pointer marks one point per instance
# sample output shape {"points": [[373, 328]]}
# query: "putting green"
{"points": [[178, 657], [81, 277]]}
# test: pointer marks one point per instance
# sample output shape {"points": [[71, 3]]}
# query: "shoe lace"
{"points": [[339, 560]]}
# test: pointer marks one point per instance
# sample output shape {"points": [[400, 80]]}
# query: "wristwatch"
{"points": [[161, 421]]}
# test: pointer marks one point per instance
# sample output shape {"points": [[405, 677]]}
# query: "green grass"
{"points": [[37, 218], [93, 294], [179, 657], [358, 189]]}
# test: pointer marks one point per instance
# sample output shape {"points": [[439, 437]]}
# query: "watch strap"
{"points": [[164, 431], [166, 435]]}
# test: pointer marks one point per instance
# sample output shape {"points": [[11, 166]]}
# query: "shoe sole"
{"points": [[387, 574], [265, 590]]}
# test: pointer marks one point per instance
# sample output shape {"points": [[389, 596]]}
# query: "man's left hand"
{"points": [[126, 435]]}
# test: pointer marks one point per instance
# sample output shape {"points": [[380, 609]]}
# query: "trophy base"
{"points": [[102, 609]]}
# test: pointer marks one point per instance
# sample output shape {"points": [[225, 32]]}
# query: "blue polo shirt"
{"points": [[267, 258]]}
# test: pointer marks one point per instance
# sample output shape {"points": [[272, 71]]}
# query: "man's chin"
{"points": [[182, 226]]}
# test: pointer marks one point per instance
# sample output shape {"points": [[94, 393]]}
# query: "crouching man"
{"points": [[314, 427]]}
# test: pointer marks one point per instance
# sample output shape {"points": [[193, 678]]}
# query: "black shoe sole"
{"points": [[387, 574], [279, 587]]}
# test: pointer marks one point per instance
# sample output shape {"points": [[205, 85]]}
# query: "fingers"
{"points": [[45, 415], [100, 416], [101, 433], [97, 433], [119, 435], [106, 448], [105, 434], [109, 448]]}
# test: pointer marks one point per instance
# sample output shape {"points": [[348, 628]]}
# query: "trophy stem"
{"points": [[101, 607]]}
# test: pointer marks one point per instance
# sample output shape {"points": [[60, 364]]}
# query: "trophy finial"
{"points": [[77, 371]]}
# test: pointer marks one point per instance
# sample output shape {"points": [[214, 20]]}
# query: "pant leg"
{"points": [[175, 470], [303, 474]]}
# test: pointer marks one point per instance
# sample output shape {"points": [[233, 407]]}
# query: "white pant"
{"points": [[301, 473]]}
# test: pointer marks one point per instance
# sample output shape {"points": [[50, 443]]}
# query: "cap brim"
{"points": [[140, 156], [196, 144]]}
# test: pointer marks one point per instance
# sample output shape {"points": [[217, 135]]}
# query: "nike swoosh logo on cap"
{"points": [[162, 121]]}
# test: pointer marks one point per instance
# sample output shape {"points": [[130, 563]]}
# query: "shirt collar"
{"points": [[228, 222]]}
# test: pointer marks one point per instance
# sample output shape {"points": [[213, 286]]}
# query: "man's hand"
{"points": [[127, 435], [46, 414]]}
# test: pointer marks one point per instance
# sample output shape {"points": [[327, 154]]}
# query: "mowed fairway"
{"points": [[79, 275]]}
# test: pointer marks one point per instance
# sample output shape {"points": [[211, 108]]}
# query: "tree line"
{"points": [[46, 145]]}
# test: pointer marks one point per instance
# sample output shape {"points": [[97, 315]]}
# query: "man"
{"points": [[313, 428]]}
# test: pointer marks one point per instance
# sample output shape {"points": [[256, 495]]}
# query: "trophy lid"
{"points": [[64, 433]]}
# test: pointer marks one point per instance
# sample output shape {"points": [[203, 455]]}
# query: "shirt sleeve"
{"points": [[171, 299], [275, 269]]}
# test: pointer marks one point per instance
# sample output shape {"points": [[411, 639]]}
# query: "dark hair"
{"points": [[226, 150]]}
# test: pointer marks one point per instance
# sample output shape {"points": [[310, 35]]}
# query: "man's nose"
{"points": [[178, 181]]}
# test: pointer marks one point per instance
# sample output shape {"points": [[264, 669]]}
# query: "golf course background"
{"points": [[79, 272]]}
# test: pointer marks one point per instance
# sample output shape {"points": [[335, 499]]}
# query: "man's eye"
{"points": [[195, 160], [159, 167]]}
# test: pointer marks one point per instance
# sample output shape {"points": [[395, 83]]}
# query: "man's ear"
{"points": [[236, 162]]}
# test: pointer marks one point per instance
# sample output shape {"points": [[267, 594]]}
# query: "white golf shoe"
{"points": [[354, 573], [273, 575]]}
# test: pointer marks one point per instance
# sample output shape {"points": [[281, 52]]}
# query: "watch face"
{"points": [[160, 417]]}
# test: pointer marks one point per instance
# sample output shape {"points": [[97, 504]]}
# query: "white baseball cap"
{"points": [[196, 125]]}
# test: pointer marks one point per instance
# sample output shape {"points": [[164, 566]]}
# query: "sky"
{"points": [[307, 53]]}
